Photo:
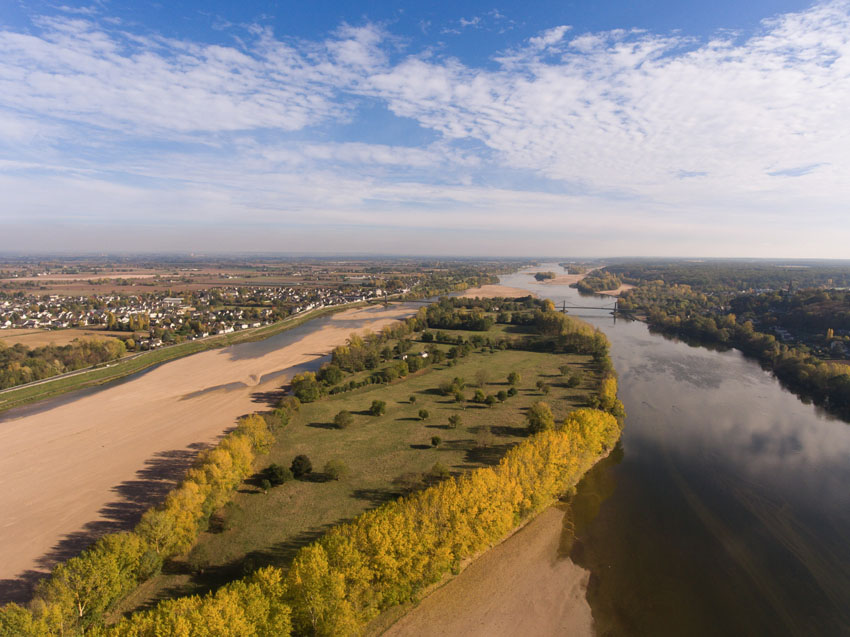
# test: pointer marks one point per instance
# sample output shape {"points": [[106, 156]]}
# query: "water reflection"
{"points": [[728, 510]]}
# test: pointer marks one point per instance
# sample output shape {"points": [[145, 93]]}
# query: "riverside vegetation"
{"points": [[754, 308], [529, 364]]}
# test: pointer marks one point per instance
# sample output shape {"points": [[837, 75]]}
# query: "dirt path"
{"points": [[520, 587], [81, 469]]}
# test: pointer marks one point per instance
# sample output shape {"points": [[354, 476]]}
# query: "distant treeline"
{"points": [[735, 276], [19, 364]]}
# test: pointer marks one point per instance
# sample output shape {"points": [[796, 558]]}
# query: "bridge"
{"points": [[565, 307]]}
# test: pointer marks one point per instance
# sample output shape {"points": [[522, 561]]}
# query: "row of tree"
{"points": [[19, 364]]}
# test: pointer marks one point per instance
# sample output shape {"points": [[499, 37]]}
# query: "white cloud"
{"points": [[651, 135], [548, 37]]}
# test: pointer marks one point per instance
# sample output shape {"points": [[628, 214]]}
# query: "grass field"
{"points": [[385, 455]]}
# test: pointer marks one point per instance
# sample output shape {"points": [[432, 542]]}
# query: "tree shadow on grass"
{"points": [[507, 430], [322, 425], [420, 446], [160, 474], [488, 456], [375, 497]]}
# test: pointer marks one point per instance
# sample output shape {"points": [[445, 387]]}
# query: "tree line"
{"points": [[19, 364]]}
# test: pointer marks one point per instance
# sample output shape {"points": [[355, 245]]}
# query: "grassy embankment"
{"points": [[105, 373], [386, 456]]}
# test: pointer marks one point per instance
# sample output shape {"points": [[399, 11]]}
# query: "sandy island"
{"points": [[520, 587], [494, 291], [88, 467]]}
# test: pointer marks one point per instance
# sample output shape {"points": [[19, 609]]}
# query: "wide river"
{"points": [[725, 509]]}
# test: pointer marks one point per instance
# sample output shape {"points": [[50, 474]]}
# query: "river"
{"points": [[725, 509]]}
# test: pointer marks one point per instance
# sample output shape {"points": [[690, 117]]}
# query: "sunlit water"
{"points": [[726, 508]]}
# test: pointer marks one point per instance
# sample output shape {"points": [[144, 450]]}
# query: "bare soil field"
{"points": [[37, 338], [92, 465], [493, 291], [520, 587]]}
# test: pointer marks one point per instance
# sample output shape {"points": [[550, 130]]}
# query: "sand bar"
{"points": [[494, 291], [520, 587], [86, 467], [623, 288]]}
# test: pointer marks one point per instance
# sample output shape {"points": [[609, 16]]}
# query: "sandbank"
{"points": [[623, 288], [494, 291], [90, 466], [520, 587]]}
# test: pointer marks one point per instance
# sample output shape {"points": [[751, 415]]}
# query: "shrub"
{"points": [[455, 421], [479, 397], [435, 441], [514, 379], [277, 474], [564, 369], [301, 466], [265, 485], [378, 408], [575, 379], [423, 414], [512, 391], [490, 400], [343, 419], [336, 469], [439, 471], [412, 400], [502, 395]]}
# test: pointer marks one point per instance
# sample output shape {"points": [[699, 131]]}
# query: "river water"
{"points": [[725, 509]]}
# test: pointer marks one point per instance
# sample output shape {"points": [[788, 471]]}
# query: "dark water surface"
{"points": [[726, 508]]}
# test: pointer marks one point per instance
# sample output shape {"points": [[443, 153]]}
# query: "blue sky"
{"points": [[552, 128]]}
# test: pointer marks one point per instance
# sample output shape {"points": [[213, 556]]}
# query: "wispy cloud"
{"points": [[624, 129]]}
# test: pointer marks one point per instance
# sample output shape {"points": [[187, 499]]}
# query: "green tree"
{"points": [[423, 414], [514, 379], [343, 419], [301, 466], [540, 418], [455, 421], [277, 474], [435, 441], [378, 408]]}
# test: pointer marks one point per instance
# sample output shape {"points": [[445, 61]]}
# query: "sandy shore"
{"points": [[84, 468], [493, 291], [623, 288], [520, 587]]}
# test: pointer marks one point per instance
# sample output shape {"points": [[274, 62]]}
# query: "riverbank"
{"points": [[91, 466], [102, 374], [495, 291], [499, 595]]}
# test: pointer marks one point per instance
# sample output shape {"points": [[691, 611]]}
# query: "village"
{"points": [[152, 320]]}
